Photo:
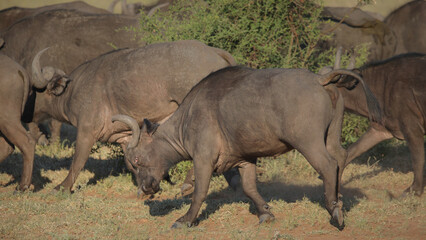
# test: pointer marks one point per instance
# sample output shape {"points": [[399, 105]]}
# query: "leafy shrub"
{"points": [[260, 34]]}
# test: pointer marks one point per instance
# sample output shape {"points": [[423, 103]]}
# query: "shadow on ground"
{"points": [[100, 168], [269, 191], [392, 155]]}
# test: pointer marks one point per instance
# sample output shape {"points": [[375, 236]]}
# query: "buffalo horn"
{"points": [[338, 57], [112, 5], [154, 9], [40, 78], [133, 124]]}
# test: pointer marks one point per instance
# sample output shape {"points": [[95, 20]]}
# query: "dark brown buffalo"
{"points": [[352, 27], [238, 114], [409, 25], [74, 37], [399, 83], [11, 15], [15, 87], [148, 82]]}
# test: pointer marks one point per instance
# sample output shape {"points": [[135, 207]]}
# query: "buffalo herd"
{"points": [[184, 100]]}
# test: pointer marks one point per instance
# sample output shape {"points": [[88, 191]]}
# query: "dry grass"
{"points": [[104, 204]]}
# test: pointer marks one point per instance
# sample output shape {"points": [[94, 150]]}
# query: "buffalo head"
{"points": [[150, 169]]}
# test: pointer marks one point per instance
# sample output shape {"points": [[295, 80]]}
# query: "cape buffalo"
{"points": [[11, 15], [148, 82], [74, 37], [238, 114], [352, 27], [409, 25], [15, 88], [399, 83]]}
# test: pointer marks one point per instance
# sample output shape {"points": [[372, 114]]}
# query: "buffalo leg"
{"points": [[84, 143], [203, 173], [18, 136], [6, 149], [326, 166], [368, 140], [55, 130], [231, 176], [415, 141], [38, 136], [248, 180], [333, 144], [188, 183]]}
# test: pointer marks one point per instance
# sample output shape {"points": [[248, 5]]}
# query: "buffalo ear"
{"points": [[149, 127], [58, 82]]}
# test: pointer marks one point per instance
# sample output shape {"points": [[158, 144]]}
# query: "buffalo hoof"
{"points": [[186, 189], [43, 141], [266, 218], [409, 191], [20, 189], [337, 218], [140, 193], [178, 225]]}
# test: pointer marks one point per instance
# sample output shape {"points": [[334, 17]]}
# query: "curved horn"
{"points": [[374, 110], [133, 124], [338, 58], [154, 9], [1, 42], [112, 5], [125, 8], [40, 79]]}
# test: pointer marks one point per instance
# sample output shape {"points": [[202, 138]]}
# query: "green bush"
{"points": [[260, 34]]}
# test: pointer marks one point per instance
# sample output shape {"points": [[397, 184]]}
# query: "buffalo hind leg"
{"points": [[248, 180], [203, 173], [84, 143], [373, 136], [326, 166], [6, 148], [17, 135], [334, 133]]}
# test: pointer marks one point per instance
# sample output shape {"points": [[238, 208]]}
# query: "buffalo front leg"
{"points": [[38, 136], [55, 130], [84, 143], [368, 140], [17, 135], [248, 180], [415, 141], [203, 173]]}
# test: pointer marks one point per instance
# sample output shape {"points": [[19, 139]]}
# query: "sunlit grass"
{"points": [[104, 203]]}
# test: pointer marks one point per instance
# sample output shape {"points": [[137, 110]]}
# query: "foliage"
{"points": [[353, 127], [260, 34]]}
